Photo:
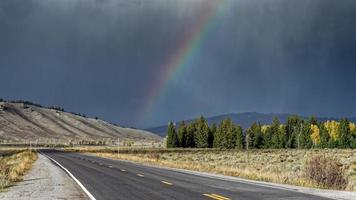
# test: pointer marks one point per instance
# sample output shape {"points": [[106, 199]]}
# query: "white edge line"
{"points": [[73, 177]]}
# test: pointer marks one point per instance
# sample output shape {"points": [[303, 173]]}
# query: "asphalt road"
{"points": [[109, 179]]}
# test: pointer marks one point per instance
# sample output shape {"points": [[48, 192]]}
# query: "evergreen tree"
{"points": [[282, 136], [345, 134], [267, 137], [218, 136], [182, 134], [212, 133], [293, 142], [293, 122], [250, 137], [190, 139], [324, 136], [172, 140], [239, 137], [225, 137], [275, 131], [304, 138], [255, 136], [202, 133], [230, 135]]}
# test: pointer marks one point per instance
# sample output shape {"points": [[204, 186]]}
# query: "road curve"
{"points": [[108, 179]]}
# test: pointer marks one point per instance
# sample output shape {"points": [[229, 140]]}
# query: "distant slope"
{"points": [[243, 119], [21, 122]]}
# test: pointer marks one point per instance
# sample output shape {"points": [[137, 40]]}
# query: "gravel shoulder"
{"points": [[45, 181]]}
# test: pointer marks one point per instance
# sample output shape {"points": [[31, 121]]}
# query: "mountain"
{"points": [[243, 119], [21, 122]]}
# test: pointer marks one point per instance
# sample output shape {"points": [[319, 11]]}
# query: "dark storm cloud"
{"points": [[101, 56]]}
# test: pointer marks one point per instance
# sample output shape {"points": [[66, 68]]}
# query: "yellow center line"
{"points": [[215, 196], [211, 196], [219, 196], [141, 175], [167, 183]]}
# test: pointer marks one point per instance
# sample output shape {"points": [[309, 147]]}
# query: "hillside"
{"points": [[243, 119], [20, 122]]}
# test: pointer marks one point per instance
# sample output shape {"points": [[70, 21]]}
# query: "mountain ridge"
{"points": [[21, 122]]}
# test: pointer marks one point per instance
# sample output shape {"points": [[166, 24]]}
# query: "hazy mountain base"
{"points": [[23, 123], [278, 166]]}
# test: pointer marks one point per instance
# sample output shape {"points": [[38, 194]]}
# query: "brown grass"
{"points": [[279, 166], [13, 165]]}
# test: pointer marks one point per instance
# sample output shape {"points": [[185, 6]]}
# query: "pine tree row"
{"points": [[295, 133]]}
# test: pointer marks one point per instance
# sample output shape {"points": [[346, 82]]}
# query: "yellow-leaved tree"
{"points": [[264, 128], [315, 134], [353, 128], [333, 129]]}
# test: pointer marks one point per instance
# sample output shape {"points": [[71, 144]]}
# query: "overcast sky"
{"points": [[100, 57]]}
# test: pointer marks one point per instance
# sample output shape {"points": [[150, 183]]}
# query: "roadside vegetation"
{"points": [[13, 165], [327, 168]]}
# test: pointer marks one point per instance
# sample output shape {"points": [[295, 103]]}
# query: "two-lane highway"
{"points": [[108, 179]]}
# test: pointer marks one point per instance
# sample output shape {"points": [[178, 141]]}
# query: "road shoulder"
{"points": [[44, 181]]}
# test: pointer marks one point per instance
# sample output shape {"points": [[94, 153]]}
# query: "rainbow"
{"points": [[187, 48]]}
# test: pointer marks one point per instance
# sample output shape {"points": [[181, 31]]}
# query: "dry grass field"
{"points": [[279, 166], [13, 165]]}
